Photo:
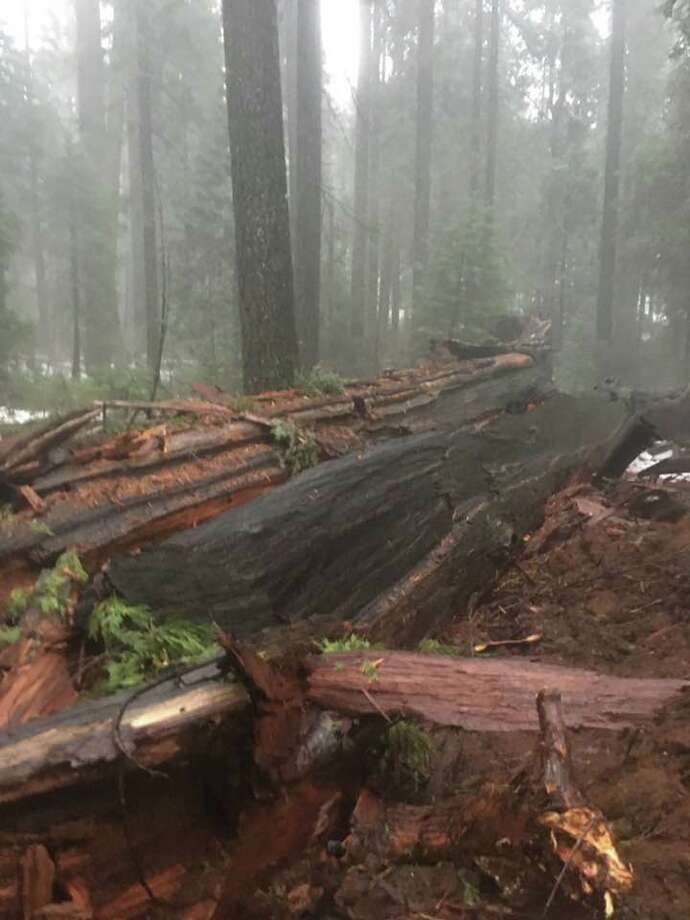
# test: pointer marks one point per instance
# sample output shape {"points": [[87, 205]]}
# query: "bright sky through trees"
{"points": [[339, 24]]}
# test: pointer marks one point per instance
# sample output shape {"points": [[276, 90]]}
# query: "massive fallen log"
{"points": [[140, 487], [393, 539]]}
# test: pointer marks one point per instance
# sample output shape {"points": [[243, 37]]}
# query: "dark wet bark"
{"points": [[262, 227]]}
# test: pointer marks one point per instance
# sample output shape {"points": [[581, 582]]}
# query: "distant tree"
{"points": [[477, 61], [99, 256], [492, 103], [361, 229], [142, 179], [614, 131], [307, 203], [262, 223], [424, 130]]}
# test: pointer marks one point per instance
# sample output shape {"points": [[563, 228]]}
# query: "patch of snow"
{"points": [[19, 416], [645, 460]]}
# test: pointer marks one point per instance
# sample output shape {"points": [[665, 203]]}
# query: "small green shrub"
{"points": [[40, 527], [320, 382], [406, 760], [137, 647], [52, 590], [9, 634], [434, 647], [352, 643], [297, 446], [17, 603]]}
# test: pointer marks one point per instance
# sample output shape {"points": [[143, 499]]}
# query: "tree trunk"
{"points": [[330, 262], [609, 226], [396, 287], [146, 182], [360, 243], [45, 332], [372, 323], [262, 225], [424, 130], [307, 212], [98, 274], [492, 109], [381, 535], [477, 61], [75, 285]]}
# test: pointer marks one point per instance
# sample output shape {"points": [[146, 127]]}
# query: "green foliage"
{"points": [[40, 527], [298, 447], [57, 393], [353, 643], [406, 759], [320, 381], [17, 603], [138, 647], [434, 647], [52, 590], [6, 514], [9, 634], [465, 289], [370, 671], [678, 11]]}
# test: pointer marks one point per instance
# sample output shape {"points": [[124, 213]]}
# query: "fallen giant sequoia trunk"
{"points": [[392, 539], [143, 486]]}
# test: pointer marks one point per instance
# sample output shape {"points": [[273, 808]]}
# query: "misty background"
{"points": [[478, 159]]}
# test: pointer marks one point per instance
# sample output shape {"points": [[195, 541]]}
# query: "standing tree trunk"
{"points": [[609, 226], [45, 333], [74, 280], [146, 182], [307, 213], [478, 58], [330, 262], [98, 275], [425, 106], [492, 114], [259, 183], [374, 188], [288, 35], [361, 191]]}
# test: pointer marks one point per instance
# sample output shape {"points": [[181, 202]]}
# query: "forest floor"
{"points": [[604, 584]]}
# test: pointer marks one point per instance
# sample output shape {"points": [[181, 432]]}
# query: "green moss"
{"points": [[17, 603], [434, 647], [406, 760], [9, 634], [41, 527], [320, 382], [297, 446], [137, 647]]}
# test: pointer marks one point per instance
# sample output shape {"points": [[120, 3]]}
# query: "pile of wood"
{"points": [[426, 483]]}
